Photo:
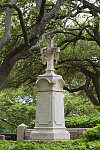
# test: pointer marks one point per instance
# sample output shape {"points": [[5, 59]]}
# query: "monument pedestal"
{"points": [[50, 134], [50, 123]]}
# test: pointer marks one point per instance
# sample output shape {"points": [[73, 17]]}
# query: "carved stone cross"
{"points": [[48, 54]]}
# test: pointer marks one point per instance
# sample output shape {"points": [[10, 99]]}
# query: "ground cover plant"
{"points": [[40, 145], [82, 121], [93, 133]]}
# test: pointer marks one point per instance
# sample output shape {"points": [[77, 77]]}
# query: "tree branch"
{"points": [[41, 12], [73, 90], [89, 93], [86, 72], [78, 37], [93, 65], [12, 5], [7, 34], [91, 6], [54, 10], [56, 30], [8, 122], [38, 4], [96, 24], [20, 50]]}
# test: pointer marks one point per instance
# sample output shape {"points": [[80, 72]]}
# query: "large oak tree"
{"points": [[27, 23]]}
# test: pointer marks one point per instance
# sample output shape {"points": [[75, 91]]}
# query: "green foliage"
{"points": [[16, 107], [93, 134], [40, 145], [80, 112], [78, 105], [82, 121], [32, 124], [19, 106]]}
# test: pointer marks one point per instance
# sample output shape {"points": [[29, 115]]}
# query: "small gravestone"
{"points": [[21, 131], [50, 123]]}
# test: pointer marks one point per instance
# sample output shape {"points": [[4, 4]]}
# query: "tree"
{"points": [[16, 107], [49, 18], [78, 105], [36, 31], [88, 30], [81, 68]]}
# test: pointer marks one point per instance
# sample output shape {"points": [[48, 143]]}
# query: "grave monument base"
{"points": [[50, 122], [50, 134]]}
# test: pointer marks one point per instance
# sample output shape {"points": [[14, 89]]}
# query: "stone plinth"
{"points": [[75, 133], [50, 123], [21, 131]]}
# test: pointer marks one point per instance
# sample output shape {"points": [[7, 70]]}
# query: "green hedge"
{"points": [[82, 121], [93, 133], [32, 124], [40, 145]]}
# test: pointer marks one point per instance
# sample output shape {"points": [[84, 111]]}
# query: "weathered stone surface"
{"points": [[27, 134], [75, 133], [50, 124], [21, 131], [50, 134]]}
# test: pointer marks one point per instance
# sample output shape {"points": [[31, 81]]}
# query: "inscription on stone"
{"points": [[59, 108], [43, 115]]}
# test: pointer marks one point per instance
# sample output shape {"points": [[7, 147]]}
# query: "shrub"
{"points": [[80, 144], [93, 133], [32, 124], [82, 121]]}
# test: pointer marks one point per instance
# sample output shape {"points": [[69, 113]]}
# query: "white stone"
{"points": [[48, 56], [50, 123], [57, 134]]}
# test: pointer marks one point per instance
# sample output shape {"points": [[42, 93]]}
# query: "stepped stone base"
{"points": [[50, 134]]}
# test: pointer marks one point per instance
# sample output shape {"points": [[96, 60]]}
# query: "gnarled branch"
{"points": [[41, 12], [13, 5], [7, 34]]}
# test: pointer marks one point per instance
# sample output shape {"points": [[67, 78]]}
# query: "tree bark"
{"points": [[16, 53], [7, 34]]}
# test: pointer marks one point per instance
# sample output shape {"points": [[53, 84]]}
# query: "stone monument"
{"points": [[50, 123]]}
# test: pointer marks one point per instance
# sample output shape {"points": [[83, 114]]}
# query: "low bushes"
{"points": [[82, 121], [93, 133], [40, 145], [32, 124]]}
